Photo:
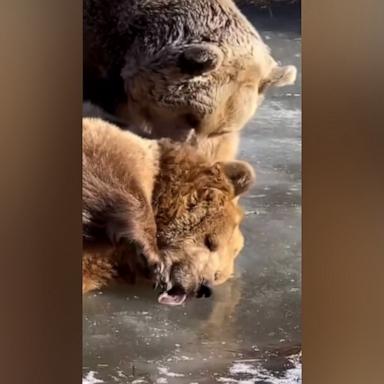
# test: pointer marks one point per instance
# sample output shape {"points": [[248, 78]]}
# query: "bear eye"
{"points": [[210, 243]]}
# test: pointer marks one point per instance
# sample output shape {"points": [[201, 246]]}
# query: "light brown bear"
{"points": [[171, 66], [158, 209]]}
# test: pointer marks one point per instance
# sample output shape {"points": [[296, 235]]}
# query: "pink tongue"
{"points": [[175, 299]]}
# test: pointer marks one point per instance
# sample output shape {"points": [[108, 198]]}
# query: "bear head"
{"points": [[198, 221], [199, 66]]}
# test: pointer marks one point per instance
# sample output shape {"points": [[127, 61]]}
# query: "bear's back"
{"points": [[118, 159]]}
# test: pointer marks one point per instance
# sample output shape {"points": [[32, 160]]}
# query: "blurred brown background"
{"points": [[40, 106]]}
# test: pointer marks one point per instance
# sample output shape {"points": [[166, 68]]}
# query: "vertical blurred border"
{"points": [[40, 157], [343, 190], [40, 203]]}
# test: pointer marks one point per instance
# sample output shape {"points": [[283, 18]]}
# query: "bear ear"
{"points": [[281, 76], [197, 59], [240, 173]]}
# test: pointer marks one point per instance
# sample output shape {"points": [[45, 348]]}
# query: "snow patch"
{"points": [[250, 374], [91, 379], [165, 371]]}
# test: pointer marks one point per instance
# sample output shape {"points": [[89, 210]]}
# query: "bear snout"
{"points": [[204, 291]]}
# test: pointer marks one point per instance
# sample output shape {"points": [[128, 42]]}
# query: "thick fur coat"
{"points": [[171, 66], [158, 209]]}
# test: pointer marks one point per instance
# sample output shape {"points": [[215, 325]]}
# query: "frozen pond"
{"points": [[250, 330]]}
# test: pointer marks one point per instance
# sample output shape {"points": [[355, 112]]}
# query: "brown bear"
{"points": [[159, 209], [171, 66]]}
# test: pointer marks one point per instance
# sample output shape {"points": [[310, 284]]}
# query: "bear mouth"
{"points": [[177, 295], [174, 296]]}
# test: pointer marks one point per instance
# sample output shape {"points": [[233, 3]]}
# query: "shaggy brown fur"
{"points": [[118, 175], [194, 203], [169, 66]]}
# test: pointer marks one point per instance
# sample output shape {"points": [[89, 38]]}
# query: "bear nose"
{"points": [[204, 291]]}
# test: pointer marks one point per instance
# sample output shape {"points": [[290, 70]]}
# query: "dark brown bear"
{"points": [[169, 66]]}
